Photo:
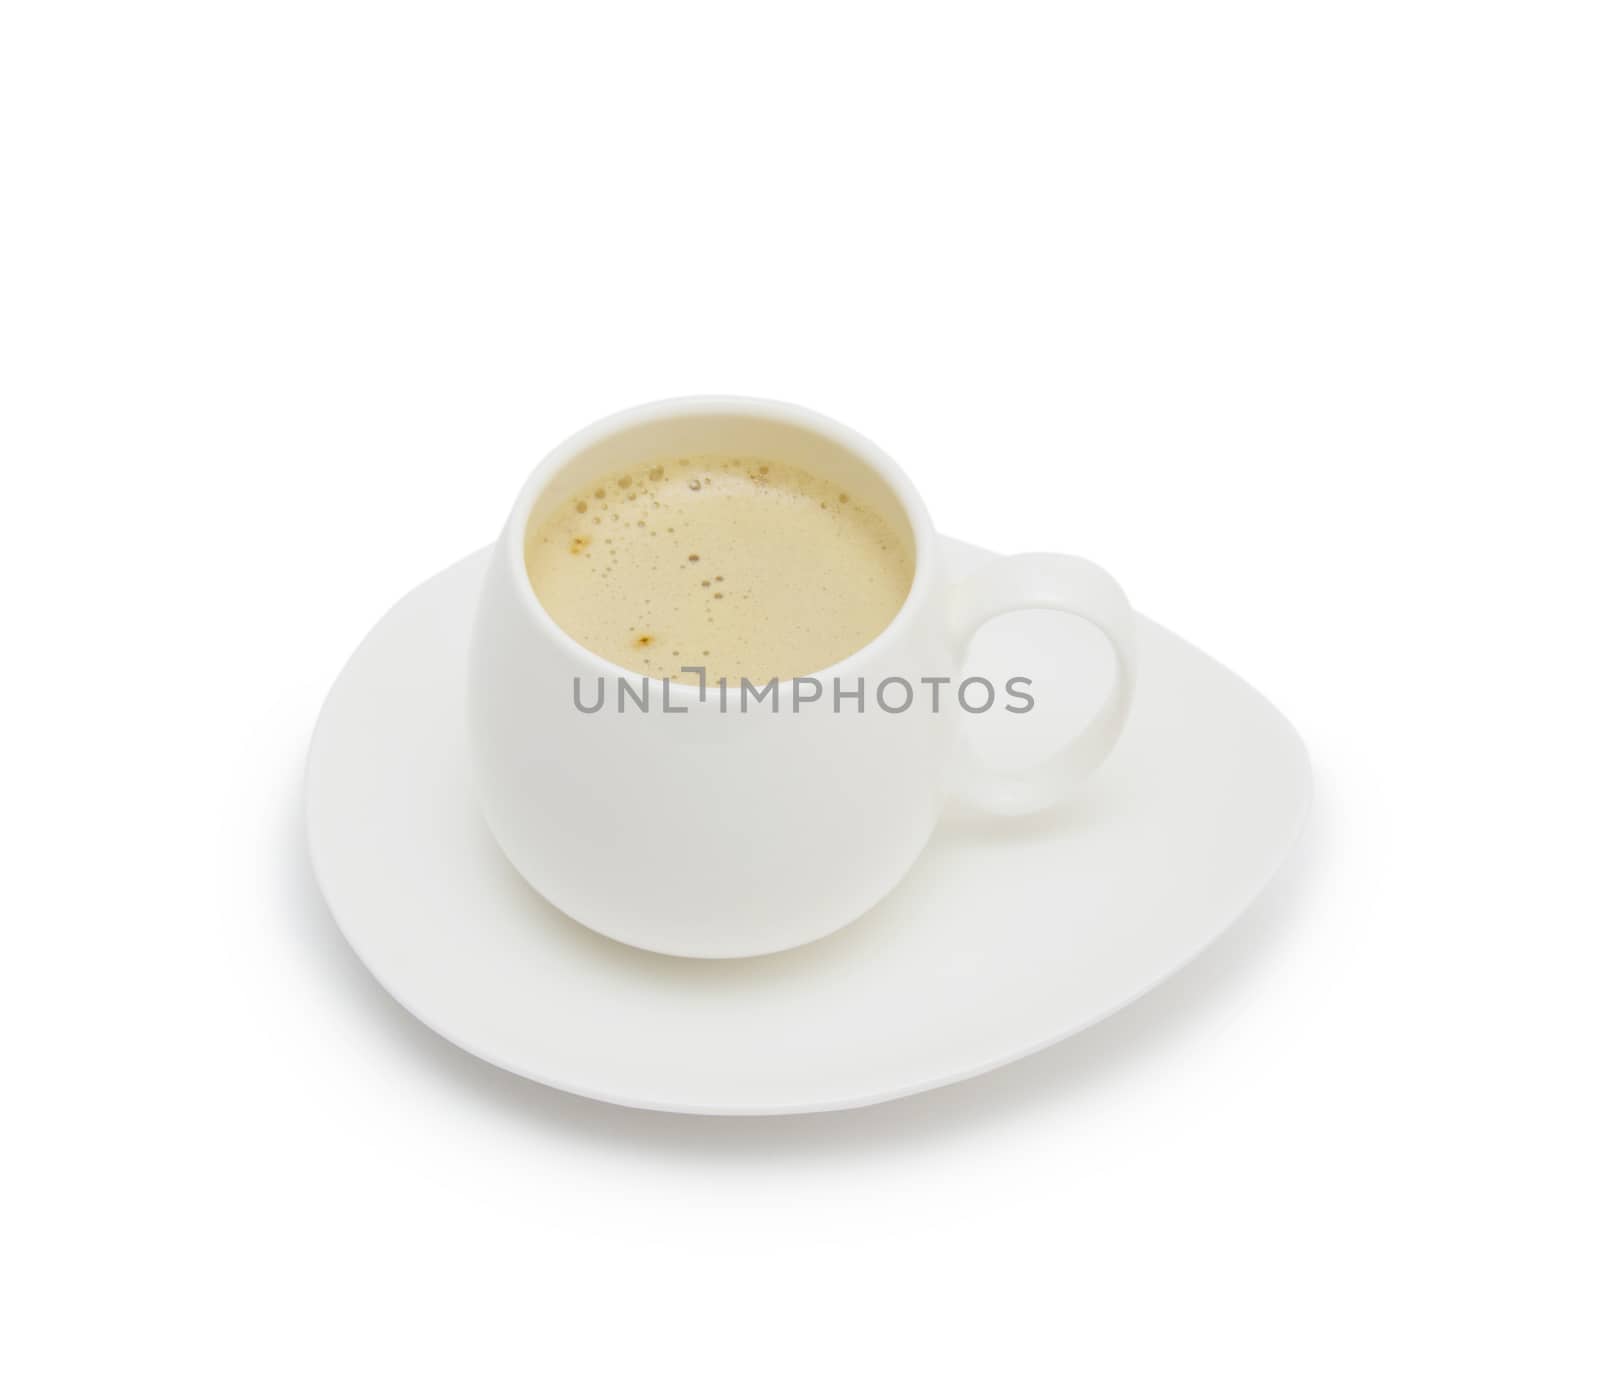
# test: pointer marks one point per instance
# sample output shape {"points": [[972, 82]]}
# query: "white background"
{"points": [[1288, 314]]}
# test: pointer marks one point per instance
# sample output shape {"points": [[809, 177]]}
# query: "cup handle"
{"points": [[1069, 585]]}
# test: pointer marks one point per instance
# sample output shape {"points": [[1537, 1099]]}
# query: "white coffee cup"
{"points": [[714, 827]]}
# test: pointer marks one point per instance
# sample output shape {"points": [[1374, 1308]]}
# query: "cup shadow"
{"points": [[1114, 1048]]}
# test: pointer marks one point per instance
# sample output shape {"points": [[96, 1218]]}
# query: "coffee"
{"points": [[747, 567]]}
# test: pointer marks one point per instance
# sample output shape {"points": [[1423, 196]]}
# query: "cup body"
{"points": [[697, 824]]}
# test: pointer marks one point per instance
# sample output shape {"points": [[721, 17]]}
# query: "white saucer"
{"points": [[1006, 937]]}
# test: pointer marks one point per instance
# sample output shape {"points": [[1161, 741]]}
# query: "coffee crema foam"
{"points": [[750, 568]]}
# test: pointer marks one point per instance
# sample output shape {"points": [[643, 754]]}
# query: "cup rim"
{"points": [[709, 405]]}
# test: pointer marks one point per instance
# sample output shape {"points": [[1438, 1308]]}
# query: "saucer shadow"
{"points": [[1116, 1047]]}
